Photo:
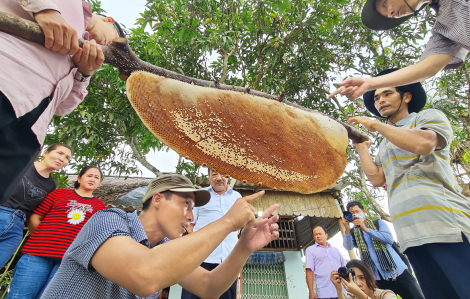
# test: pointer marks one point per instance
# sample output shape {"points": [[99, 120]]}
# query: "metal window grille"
{"points": [[287, 239], [265, 281]]}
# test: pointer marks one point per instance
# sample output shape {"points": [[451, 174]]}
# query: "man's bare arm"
{"points": [[374, 173], [355, 87], [145, 271], [421, 142], [309, 278]]}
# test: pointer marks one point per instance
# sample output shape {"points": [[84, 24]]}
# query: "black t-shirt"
{"points": [[30, 192]]}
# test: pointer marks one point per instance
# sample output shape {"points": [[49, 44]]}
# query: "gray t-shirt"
{"points": [[426, 205], [76, 278]]}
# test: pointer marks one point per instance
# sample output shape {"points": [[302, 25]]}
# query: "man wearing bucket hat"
{"points": [[430, 216], [127, 255], [447, 47]]}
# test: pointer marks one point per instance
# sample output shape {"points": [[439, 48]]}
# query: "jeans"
{"points": [[32, 275], [11, 232]]}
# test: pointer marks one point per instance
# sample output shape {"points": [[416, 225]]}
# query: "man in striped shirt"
{"points": [[431, 217], [447, 47]]}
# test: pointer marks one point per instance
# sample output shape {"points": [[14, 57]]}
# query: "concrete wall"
{"points": [[295, 277], [175, 291]]}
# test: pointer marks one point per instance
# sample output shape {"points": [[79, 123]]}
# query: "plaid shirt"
{"points": [[76, 278], [451, 32]]}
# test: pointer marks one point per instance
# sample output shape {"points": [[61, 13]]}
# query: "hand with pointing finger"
{"points": [[260, 232], [352, 88], [241, 211]]}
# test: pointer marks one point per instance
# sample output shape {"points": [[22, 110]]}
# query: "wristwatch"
{"points": [[82, 77]]}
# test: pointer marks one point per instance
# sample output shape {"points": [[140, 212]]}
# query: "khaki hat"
{"points": [[176, 183]]}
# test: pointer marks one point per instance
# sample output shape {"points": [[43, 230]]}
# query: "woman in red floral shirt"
{"points": [[54, 225]]}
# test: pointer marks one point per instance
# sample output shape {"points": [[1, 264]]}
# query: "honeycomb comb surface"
{"points": [[252, 139]]}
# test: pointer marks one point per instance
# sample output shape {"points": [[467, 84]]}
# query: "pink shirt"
{"points": [[29, 72]]}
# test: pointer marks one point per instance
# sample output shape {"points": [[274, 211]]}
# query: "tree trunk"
{"points": [[352, 254], [365, 189], [139, 157]]}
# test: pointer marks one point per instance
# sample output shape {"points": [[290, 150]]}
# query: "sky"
{"points": [[126, 12]]}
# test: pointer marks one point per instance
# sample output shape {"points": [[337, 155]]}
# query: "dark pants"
{"points": [[18, 144], [442, 269], [231, 293], [404, 285]]}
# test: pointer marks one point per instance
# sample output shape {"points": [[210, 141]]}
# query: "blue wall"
{"points": [[295, 276]]}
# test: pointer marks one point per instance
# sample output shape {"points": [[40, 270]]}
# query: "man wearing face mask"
{"points": [[374, 242]]}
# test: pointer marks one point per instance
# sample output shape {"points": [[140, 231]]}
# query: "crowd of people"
{"points": [[71, 252]]}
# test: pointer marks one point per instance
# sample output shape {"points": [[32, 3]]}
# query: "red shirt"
{"points": [[65, 212]]}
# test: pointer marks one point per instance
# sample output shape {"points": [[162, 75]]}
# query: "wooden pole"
{"points": [[352, 255], [121, 56]]}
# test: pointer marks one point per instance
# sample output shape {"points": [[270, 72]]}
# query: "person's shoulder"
{"points": [[113, 212], [431, 113], [381, 222], [63, 191], [100, 203], [336, 249], [110, 216], [384, 294], [236, 194], [310, 249]]}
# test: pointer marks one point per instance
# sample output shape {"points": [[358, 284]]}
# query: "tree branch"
{"points": [[365, 189], [139, 157]]}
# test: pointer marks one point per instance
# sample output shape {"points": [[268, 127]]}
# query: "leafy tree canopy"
{"points": [[300, 47]]}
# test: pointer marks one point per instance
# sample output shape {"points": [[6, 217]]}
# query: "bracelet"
{"points": [[82, 77]]}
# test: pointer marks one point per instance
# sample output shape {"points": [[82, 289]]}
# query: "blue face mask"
{"points": [[361, 216]]}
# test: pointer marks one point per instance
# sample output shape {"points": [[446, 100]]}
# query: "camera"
{"points": [[344, 273], [348, 216]]}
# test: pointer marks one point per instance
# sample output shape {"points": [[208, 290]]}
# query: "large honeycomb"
{"points": [[252, 139]]}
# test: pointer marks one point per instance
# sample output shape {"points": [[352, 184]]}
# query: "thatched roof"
{"points": [[321, 204], [290, 203]]}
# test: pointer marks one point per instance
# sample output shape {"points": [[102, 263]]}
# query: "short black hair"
{"points": [[321, 227], [366, 269], [146, 204], [353, 204], [83, 171]]}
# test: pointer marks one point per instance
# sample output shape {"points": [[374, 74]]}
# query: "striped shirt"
{"points": [[65, 212], [76, 278], [424, 198], [451, 32]]}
